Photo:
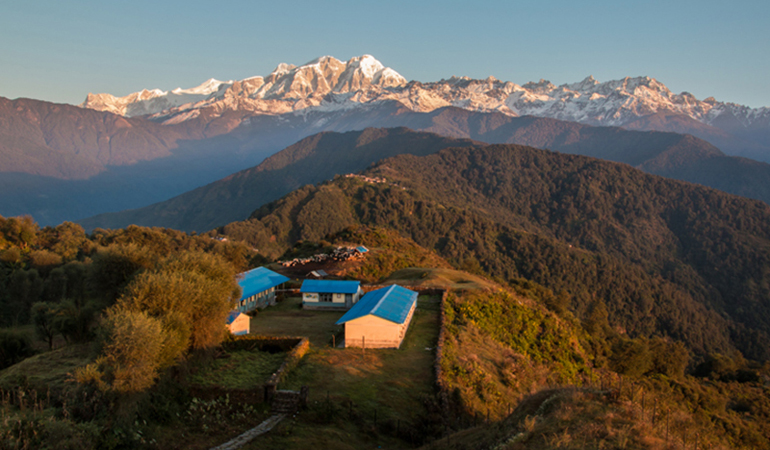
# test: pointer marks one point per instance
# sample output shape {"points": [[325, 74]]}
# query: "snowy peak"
{"points": [[324, 75], [541, 87], [209, 86], [287, 88], [152, 101], [329, 84], [587, 83]]}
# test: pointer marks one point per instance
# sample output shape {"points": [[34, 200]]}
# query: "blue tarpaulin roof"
{"points": [[258, 280], [362, 249], [330, 286], [391, 303]]}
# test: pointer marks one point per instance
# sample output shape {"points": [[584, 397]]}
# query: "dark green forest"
{"points": [[666, 258]]}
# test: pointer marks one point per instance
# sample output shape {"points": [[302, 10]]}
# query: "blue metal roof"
{"points": [[258, 280], [391, 303], [330, 286], [232, 316], [362, 249]]}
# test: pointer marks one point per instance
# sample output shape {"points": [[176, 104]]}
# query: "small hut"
{"points": [[238, 323]]}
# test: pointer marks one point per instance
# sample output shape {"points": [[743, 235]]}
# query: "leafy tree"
{"points": [[558, 303], [20, 231], [13, 348], [113, 267], [198, 286], [70, 239], [44, 319], [74, 319], [11, 255], [631, 357], [24, 289], [131, 357], [44, 260], [597, 323], [180, 306], [76, 273], [669, 358], [716, 365], [55, 285]]}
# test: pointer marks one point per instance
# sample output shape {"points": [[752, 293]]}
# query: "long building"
{"points": [[258, 288], [330, 294], [380, 319]]}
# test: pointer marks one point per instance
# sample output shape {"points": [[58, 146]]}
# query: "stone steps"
{"points": [[285, 402]]}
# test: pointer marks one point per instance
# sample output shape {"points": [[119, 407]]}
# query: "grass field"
{"points": [[349, 386], [438, 278], [287, 318], [49, 370], [241, 369]]}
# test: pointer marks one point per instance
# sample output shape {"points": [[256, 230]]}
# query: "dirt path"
{"points": [[243, 439]]}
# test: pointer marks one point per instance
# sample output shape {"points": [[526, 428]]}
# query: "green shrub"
{"points": [[13, 348], [631, 357]]}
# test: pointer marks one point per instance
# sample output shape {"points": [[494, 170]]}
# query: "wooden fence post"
{"points": [[303, 394], [269, 392], [684, 439]]}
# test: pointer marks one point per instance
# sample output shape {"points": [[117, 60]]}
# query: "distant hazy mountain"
{"points": [[309, 161], [327, 84], [64, 141], [321, 157]]}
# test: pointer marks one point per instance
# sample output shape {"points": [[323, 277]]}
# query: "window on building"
{"points": [[325, 297]]}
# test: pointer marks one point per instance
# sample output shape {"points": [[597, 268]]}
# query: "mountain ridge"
{"points": [[233, 197], [327, 84]]}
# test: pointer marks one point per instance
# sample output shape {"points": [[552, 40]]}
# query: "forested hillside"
{"points": [[309, 161], [321, 156], [663, 257]]}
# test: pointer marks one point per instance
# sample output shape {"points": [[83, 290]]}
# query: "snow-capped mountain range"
{"points": [[328, 84]]}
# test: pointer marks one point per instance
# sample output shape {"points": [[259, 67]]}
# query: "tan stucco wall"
{"points": [[240, 324], [373, 332]]}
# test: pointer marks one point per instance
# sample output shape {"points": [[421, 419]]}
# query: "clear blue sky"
{"points": [[61, 50]]}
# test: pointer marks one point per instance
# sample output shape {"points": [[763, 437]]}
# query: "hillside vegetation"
{"points": [[501, 363], [312, 160], [322, 156], [663, 257]]}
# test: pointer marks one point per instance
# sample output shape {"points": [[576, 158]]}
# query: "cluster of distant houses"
{"points": [[377, 319], [339, 254]]}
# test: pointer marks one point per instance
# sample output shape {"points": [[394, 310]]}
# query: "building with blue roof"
{"points": [[238, 323], [380, 319], [258, 288], [330, 294]]}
